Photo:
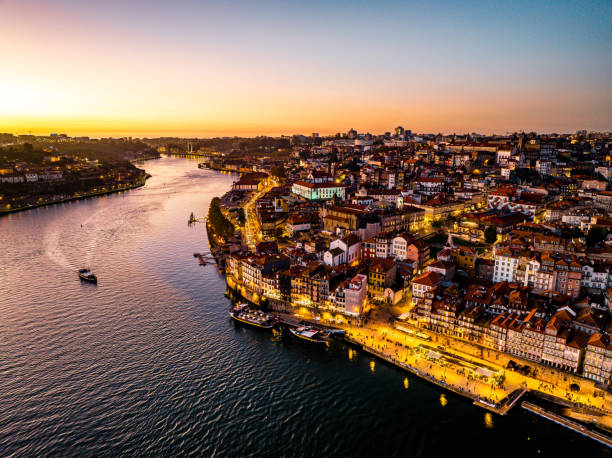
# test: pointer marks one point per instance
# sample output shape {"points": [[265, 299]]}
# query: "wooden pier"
{"points": [[204, 259], [504, 406], [290, 320]]}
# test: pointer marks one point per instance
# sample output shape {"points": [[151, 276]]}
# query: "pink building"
{"points": [[355, 294]]}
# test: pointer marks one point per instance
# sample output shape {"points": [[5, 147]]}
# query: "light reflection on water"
{"points": [[488, 420]]}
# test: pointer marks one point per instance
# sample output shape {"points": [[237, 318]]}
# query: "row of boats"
{"points": [[243, 314]]}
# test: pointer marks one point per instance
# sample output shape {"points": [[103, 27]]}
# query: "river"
{"points": [[148, 362]]}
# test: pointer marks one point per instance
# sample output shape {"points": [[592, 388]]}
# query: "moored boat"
{"points": [[87, 275], [243, 314], [310, 334]]}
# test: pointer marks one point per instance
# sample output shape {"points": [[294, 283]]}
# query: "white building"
{"points": [[383, 247], [350, 246], [318, 191], [334, 256], [506, 266], [595, 276], [502, 156], [424, 283], [399, 246]]}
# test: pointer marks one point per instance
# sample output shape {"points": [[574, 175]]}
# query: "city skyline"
{"points": [[204, 70]]}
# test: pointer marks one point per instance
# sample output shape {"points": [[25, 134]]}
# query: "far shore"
{"points": [[69, 199]]}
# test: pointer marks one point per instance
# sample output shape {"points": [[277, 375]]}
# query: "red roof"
{"points": [[429, 279]]}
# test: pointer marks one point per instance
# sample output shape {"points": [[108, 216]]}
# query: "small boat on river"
{"points": [[87, 275]]}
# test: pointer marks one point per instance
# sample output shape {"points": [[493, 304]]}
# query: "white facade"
{"points": [[595, 277], [383, 248], [251, 276], [318, 191], [505, 268], [399, 247], [334, 257], [503, 156]]}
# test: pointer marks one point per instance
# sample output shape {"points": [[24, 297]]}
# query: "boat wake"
{"points": [[53, 249]]}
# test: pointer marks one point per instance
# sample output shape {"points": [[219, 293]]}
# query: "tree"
{"points": [[596, 234], [241, 216], [490, 234], [219, 223], [353, 166], [278, 171], [571, 233]]}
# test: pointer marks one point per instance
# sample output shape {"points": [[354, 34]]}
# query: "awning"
{"points": [[485, 372]]}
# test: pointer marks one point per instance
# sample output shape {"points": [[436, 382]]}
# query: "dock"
{"points": [[504, 406], [570, 424], [203, 258], [290, 320]]}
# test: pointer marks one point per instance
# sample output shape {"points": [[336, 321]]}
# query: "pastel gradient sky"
{"points": [[197, 68]]}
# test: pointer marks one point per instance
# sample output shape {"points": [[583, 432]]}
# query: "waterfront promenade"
{"points": [[409, 354], [404, 348], [453, 369]]}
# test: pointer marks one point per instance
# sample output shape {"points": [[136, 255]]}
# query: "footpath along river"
{"points": [[148, 362]]}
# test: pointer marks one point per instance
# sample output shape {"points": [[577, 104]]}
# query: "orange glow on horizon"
{"points": [[99, 73]]}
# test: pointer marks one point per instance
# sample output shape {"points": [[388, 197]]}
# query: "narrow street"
{"points": [[252, 234]]}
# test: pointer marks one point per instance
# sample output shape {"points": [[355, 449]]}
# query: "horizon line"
{"points": [[139, 135]]}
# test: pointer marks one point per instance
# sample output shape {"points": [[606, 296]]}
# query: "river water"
{"points": [[148, 362]]}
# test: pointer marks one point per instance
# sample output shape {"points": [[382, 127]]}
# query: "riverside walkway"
{"points": [[468, 390], [574, 426]]}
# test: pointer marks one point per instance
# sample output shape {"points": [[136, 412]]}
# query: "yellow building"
{"points": [[464, 258]]}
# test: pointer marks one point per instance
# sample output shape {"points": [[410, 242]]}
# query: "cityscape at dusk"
{"points": [[302, 229]]}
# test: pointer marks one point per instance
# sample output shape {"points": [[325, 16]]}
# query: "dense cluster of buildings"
{"points": [[54, 177], [501, 241]]}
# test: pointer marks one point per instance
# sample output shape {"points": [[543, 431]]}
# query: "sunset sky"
{"points": [[196, 68]]}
